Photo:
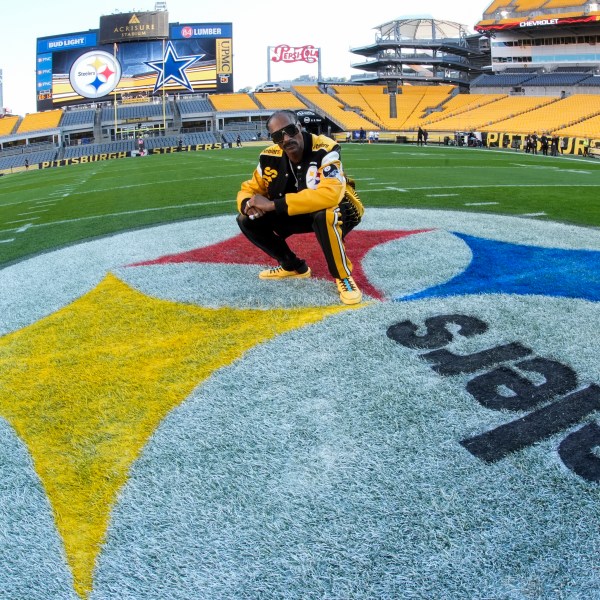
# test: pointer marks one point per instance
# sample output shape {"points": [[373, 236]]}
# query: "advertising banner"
{"points": [[224, 60], [67, 42], [73, 69], [200, 30], [537, 22], [129, 27], [290, 54]]}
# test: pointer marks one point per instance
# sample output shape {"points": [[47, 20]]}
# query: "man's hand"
{"points": [[258, 205]]}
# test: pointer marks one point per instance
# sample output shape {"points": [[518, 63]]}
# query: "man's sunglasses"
{"points": [[291, 130]]}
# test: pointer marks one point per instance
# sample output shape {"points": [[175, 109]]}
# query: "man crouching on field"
{"points": [[299, 186]]}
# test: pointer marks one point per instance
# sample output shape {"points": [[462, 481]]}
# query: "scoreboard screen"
{"points": [[79, 68]]}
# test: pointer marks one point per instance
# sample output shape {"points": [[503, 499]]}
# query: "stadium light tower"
{"points": [[162, 6]]}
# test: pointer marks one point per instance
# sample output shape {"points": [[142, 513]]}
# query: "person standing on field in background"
{"points": [[554, 145]]}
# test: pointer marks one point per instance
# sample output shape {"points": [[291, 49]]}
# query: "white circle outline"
{"points": [[79, 89]]}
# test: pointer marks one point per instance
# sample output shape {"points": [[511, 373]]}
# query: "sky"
{"points": [[256, 26]]}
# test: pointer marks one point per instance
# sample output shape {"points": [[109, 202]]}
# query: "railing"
{"points": [[26, 148]]}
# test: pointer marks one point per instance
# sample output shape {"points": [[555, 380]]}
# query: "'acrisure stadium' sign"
{"points": [[131, 27]]}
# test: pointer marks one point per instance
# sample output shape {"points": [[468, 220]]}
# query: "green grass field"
{"points": [[174, 430], [43, 210]]}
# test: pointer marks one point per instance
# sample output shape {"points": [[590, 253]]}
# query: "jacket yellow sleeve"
{"points": [[256, 185], [328, 193]]}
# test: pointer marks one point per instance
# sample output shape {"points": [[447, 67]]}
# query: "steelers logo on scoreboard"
{"points": [[95, 74]]}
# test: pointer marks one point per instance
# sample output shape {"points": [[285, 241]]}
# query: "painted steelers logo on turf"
{"points": [[158, 338]]}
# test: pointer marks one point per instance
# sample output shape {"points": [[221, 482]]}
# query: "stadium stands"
{"points": [[461, 104], [554, 85], [279, 100], [412, 102], [326, 104], [245, 136], [432, 98], [501, 80], [90, 149], [559, 79], [136, 111], [163, 141], [7, 125], [203, 137], [232, 102], [489, 115], [592, 81], [27, 148], [555, 115], [307, 89], [76, 118], [346, 107], [193, 106], [40, 121], [356, 96], [188, 139], [590, 128], [33, 158]]}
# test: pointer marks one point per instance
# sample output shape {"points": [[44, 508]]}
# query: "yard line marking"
{"points": [[480, 203], [538, 214], [33, 212], [534, 166], [551, 168], [21, 220], [396, 189], [440, 195], [24, 228], [495, 186], [155, 183], [128, 212], [7, 241]]}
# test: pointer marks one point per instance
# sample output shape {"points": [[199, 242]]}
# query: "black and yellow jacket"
{"points": [[318, 182]]}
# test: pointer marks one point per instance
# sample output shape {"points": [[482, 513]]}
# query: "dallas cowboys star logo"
{"points": [[172, 68]]}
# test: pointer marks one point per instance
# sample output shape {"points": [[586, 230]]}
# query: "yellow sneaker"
{"points": [[349, 292], [281, 273]]}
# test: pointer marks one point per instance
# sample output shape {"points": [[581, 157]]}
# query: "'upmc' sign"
{"points": [[201, 30]]}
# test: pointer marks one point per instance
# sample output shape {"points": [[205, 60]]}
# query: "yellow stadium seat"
{"points": [[7, 124], [555, 115], [279, 101], [40, 121], [232, 102]]}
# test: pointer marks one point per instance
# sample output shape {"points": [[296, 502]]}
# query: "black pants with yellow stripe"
{"points": [[269, 233]]}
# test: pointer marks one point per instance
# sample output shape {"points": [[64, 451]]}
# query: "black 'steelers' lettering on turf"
{"points": [[438, 335], [447, 363], [534, 427], [503, 388], [576, 452], [525, 395]]}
